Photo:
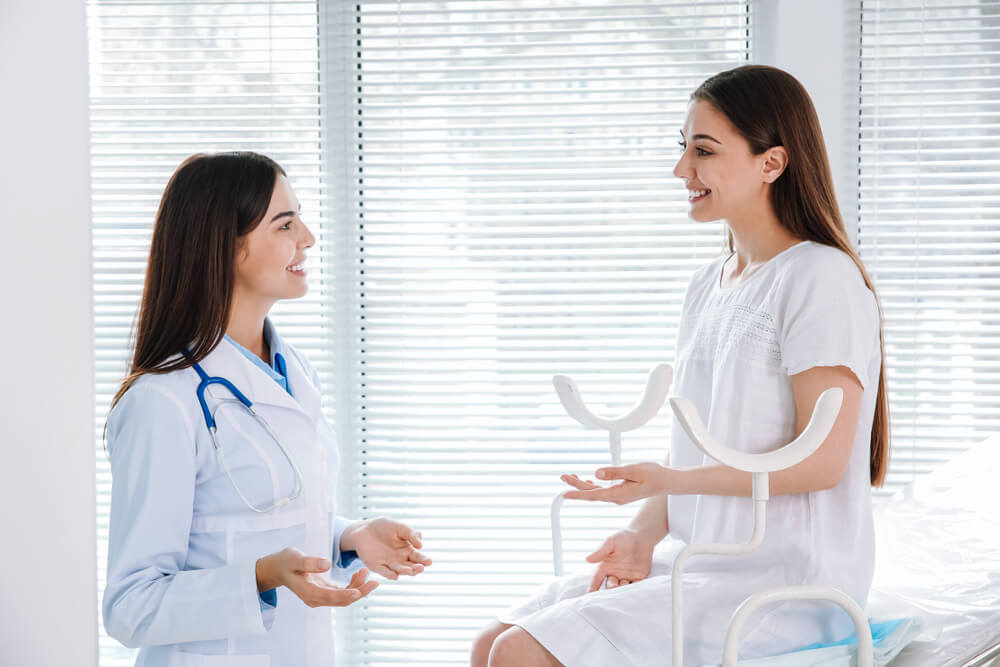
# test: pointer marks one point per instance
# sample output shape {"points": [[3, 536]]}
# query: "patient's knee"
{"points": [[483, 643], [517, 648]]}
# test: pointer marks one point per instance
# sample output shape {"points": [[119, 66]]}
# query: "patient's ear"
{"points": [[775, 162]]}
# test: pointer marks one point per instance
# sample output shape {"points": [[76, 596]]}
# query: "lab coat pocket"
{"points": [[181, 659]]}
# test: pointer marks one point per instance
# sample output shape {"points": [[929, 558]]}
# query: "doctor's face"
{"points": [[270, 260]]}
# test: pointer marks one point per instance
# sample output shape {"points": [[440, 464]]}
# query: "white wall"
{"points": [[817, 42], [48, 560]]}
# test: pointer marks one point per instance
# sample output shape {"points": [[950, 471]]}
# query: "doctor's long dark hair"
{"points": [[769, 107], [209, 203]]}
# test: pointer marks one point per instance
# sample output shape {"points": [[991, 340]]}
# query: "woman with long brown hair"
{"points": [[222, 521], [787, 313]]}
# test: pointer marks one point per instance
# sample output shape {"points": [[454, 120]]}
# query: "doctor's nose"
{"points": [[308, 240]]}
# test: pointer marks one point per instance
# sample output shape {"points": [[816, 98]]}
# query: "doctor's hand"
{"points": [[388, 547], [301, 574], [624, 557], [639, 480]]}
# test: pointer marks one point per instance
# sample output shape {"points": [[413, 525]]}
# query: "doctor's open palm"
{"points": [[302, 575], [386, 546]]}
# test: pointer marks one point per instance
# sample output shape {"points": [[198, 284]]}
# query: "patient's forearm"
{"points": [[651, 520], [720, 480]]}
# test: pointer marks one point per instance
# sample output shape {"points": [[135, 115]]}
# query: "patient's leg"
{"points": [[516, 648], [483, 643]]}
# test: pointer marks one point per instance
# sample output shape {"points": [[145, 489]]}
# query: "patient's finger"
{"points": [[596, 580], [606, 550], [612, 581], [617, 472], [575, 481], [609, 494]]}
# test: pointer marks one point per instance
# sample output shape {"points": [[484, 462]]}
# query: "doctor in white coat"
{"points": [[225, 548]]}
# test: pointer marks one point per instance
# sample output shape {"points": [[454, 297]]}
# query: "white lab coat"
{"points": [[183, 546]]}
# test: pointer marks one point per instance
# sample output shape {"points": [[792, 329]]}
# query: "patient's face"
{"points": [[722, 176]]}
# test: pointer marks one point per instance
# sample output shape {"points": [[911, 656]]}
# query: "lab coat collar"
{"points": [[228, 362], [274, 343]]}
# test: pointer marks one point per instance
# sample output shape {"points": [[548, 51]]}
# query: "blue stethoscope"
{"points": [[241, 399]]}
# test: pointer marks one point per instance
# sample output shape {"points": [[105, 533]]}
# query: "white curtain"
{"points": [[515, 217], [929, 228]]}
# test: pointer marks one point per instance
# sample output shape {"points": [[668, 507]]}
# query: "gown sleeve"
{"points": [[829, 318], [150, 598]]}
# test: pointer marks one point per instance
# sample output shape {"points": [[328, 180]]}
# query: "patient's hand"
{"points": [[623, 558], [639, 480]]}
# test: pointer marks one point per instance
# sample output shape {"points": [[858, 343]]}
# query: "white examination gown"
{"points": [[183, 545], [736, 352]]}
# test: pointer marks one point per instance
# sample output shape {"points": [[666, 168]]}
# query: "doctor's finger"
{"points": [[401, 568], [419, 557], [310, 564], [367, 587], [413, 537], [385, 572], [358, 578], [343, 597], [324, 594]]}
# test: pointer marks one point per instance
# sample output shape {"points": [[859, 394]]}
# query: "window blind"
{"points": [[173, 78], [929, 139], [516, 217]]}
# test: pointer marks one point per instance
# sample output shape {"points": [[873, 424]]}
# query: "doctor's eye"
{"points": [[286, 226]]}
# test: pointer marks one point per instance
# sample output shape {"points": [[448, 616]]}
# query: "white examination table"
{"points": [[938, 558]]}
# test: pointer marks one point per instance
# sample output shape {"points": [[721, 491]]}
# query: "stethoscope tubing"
{"points": [[210, 422]]}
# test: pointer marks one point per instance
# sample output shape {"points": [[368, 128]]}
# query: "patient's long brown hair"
{"points": [[209, 203], [769, 107]]}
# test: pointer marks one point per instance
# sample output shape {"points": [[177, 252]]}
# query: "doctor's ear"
{"points": [[242, 249], [775, 162]]}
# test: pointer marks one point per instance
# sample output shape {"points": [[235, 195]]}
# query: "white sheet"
{"points": [[938, 558]]}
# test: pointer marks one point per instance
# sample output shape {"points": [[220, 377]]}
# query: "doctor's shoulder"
{"points": [[158, 403]]}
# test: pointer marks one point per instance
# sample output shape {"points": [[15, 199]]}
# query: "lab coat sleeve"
{"points": [[150, 597], [345, 563]]}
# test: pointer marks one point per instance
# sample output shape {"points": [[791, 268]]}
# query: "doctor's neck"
{"points": [[246, 323]]}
